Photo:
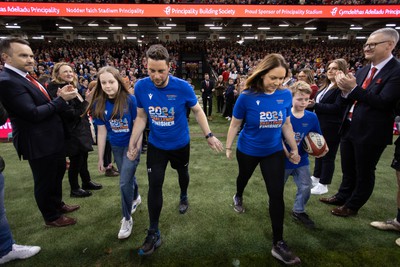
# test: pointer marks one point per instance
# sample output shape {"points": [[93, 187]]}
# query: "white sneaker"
{"points": [[126, 228], [314, 180], [319, 189], [19, 252], [135, 204]]}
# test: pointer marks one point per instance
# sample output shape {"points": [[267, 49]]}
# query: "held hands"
{"points": [[132, 153], [68, 92], [294, 157], [345, 82]]}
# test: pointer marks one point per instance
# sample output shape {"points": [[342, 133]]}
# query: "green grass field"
{"points": [[211, 233]]}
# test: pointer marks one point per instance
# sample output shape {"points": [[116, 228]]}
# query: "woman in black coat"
{"points": [[79, 138], [329, 107]]}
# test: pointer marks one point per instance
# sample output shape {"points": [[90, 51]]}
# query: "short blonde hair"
{"points": [[301, 87]]}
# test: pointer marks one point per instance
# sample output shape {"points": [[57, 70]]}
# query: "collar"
{"points": [[382, 64], [20, 72]]}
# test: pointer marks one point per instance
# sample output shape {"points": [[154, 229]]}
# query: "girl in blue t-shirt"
{"points": [[265, 110], [114, 113]]}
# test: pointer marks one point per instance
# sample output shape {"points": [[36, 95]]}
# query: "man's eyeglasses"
{"points": [[373, 45]]}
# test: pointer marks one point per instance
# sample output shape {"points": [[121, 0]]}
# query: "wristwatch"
{"points": [[209, 135]]}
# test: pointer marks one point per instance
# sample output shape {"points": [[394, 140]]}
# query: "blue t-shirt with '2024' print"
{"points": [[166, 111], [264, 115], [301, 127], [119, 129]]}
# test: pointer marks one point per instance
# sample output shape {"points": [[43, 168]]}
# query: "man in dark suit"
{"points": [[38, 133], [367, 126], [207, 89]]}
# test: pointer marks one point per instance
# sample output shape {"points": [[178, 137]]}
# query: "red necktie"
{"points": [[364, 86], [369, 79], [38, 86]]}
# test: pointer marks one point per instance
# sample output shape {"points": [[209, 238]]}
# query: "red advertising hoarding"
{"points": [[206, 11], [5, 130]]}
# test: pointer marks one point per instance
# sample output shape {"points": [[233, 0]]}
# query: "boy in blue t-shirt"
{"points": [[303, 122]]}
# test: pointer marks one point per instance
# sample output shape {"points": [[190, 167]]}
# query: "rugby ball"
{"points": [[314, 144]]}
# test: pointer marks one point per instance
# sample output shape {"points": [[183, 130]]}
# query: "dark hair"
{"points": [[254, 82], [5, 44], [342, 65], [158, 52]]}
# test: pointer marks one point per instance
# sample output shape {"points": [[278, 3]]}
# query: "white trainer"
{"points": [[398, 241], [126, 228], [135, 204], [319, 189], [20, 252], [314, 180]]}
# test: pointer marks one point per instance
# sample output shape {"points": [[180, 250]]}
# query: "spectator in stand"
{"points": [[307, 75], [225, 74]]}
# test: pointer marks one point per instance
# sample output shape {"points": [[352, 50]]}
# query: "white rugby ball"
{"points": [[314, 144]]}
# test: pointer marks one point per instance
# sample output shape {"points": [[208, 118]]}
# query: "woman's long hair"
{"points": [[342, 65], [254, 82], [98, 103]]}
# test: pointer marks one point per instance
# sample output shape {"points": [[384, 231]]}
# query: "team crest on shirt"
{"points": [[258, 102], [150, 96], [279, 101]]}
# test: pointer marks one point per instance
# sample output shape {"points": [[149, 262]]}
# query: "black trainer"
{"points": [[183, 205], [304, 219], [152, 241], [238, 204], [282, 252]]}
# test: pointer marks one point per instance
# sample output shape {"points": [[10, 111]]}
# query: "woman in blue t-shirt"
{"points": [[114, 113], [266, 110]]}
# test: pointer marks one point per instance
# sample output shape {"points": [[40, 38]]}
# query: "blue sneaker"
{"points": [[152, 241]]}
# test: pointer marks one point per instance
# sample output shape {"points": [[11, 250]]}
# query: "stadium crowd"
{"points": [[88, 56]]}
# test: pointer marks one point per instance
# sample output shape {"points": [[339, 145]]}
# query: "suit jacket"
{"points": [[37, 127], [373, 115], [330, 108], [207, 90]]}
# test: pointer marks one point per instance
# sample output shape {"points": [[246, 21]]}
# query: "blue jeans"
{"points": [[6, 239], [127, 178], [302, 178]]}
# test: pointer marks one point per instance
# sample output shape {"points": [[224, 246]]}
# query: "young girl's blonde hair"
{"points": [[98, 103]]}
